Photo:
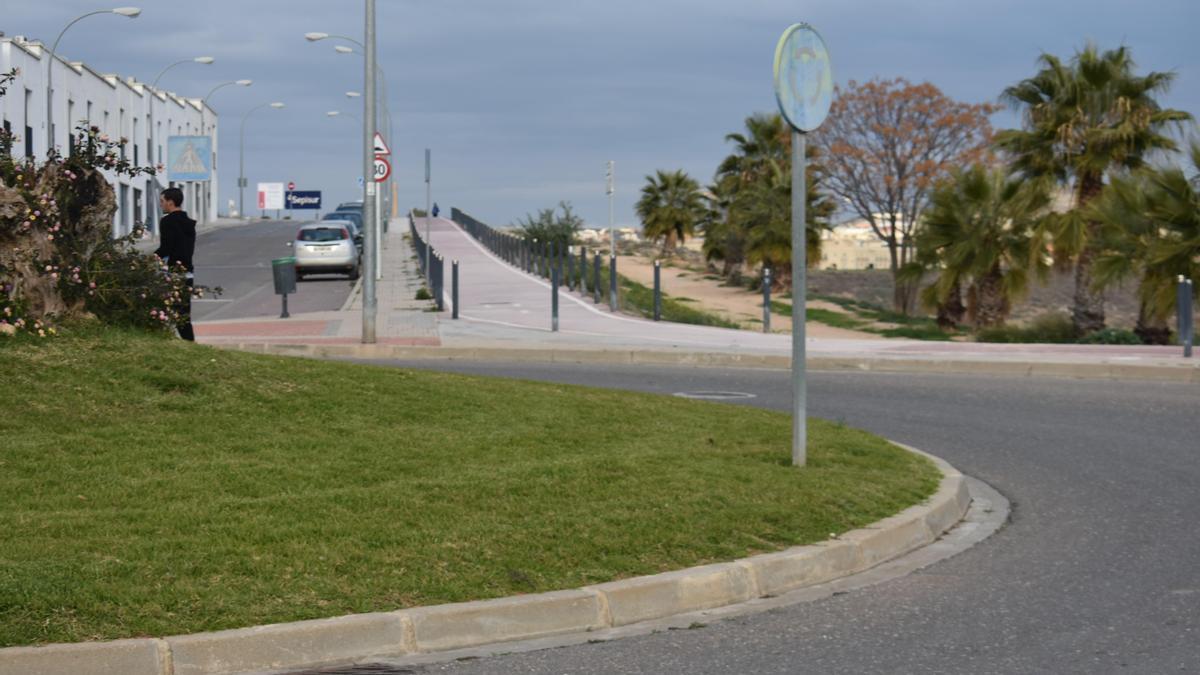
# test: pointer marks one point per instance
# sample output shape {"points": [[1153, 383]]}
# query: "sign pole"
{"points": [[799, 302], [804, 91]]}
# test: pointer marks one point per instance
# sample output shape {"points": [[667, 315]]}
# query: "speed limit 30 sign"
{"points": [[383, 169]]}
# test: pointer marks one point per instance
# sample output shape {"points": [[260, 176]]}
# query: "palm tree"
{"points": [[671, 207], [754, 186], [1151, 228], [1082, 120], [981, 228]]}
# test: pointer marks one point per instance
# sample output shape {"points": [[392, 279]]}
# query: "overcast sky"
{"points": [[523, 101]]}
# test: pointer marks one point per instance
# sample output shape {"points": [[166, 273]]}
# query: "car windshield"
{"points": [[322, 234]]}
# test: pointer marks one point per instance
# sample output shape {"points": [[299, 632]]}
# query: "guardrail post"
{"points": [[596, 279], [554, 300], [454, 289], [657, 291], [766, 299], [612, 282]]}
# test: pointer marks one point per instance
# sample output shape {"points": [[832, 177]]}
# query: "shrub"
{"points": [[1111, 336], [1052, 328], [58, 260], [424, 294]]}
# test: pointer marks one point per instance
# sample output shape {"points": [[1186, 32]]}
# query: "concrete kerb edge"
{"points": [[1184, 373], [439, 628]]}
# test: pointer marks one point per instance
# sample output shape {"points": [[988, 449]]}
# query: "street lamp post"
{"points": [[129, 12], [387, 113], [152, 181], [242, 157], [372, 241], [208, 197]]}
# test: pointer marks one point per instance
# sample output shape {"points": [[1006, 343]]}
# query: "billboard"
{"points": [[303, 199], [270, 196], [189, 158]]}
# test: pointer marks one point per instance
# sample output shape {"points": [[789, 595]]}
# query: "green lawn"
{"points": [[860, 316], [153, 487]]}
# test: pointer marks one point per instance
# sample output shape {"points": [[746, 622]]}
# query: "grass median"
{"points": [[154, 487]]}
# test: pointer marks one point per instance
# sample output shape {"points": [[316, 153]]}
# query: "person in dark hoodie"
{"points": [[178, 243]]}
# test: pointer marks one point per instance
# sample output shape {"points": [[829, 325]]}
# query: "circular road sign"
{"points": [[803, 77], [383, 169], [291, 185]]}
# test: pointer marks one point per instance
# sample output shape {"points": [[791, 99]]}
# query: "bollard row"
{"points": [[436, 272]]}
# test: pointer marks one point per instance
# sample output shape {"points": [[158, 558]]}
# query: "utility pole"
{"points": [[369, 211]]}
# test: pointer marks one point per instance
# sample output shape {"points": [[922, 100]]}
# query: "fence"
{"points": [[542, 259], [435, 275]]}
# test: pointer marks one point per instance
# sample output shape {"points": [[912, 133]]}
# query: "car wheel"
{"points": [[353, 273]]}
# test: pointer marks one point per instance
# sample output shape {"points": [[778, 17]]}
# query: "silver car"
{"points": [[326, 247]]}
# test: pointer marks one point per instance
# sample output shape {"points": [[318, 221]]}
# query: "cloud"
{"points": [[524, 100]]}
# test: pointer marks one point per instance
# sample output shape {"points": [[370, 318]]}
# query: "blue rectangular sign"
{"points": [[306, 199], [189, 158]]}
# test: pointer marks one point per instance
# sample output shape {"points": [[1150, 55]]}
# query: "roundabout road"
{"points": [[1098, 570]]}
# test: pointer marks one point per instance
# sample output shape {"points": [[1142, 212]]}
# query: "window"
{"points": [[323, 234], [70, 127], [28, 139]]}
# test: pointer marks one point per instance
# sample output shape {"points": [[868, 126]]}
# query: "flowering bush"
{"points": [[58, 260]]}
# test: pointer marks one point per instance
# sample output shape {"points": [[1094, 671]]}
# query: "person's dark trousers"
{"points": [[185, 314]]}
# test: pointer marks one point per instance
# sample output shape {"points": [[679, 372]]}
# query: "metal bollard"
{"points": [[1183, 314], [439, 265], [766, 299], [570, 270], [596, 279], [612, 282], [657, 291], [582, 269], [554, 300], [454, 289]]}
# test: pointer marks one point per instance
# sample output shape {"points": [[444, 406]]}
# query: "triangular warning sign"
{"points": [[381, 148]]}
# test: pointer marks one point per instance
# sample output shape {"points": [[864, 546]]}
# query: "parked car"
{"points": [[326, 247], [348, 216], [351, 206]]}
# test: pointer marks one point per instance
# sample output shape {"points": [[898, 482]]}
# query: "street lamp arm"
{"points": [[54, 49], [340, 37], [164, 72]]}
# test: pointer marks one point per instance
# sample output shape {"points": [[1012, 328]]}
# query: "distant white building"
{"points": [[853, 245], [121, 109]]}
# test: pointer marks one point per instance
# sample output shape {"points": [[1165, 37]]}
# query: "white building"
{"points": [[853, 245], [121, 109]]}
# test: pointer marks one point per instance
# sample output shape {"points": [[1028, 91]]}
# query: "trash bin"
{"points": [[284, 270]]}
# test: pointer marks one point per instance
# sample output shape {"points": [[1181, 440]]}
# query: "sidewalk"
{"points": [[505, 315]]}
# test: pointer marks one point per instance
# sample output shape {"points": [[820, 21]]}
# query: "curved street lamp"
{"points": [[128, 12], [204, 101], [242, 156], [204, 60]]}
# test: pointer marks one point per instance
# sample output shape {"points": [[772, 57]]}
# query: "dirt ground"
{"points": [[704, 291], [685, 278]]}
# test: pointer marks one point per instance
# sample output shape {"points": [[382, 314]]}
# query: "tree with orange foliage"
{"points": [[885, 145]]}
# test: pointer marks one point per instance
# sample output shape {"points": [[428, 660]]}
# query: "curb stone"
{"points": [[1182, 372], [345, 639]]}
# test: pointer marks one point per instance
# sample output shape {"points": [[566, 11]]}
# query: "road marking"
{"points": [[714, 395]]}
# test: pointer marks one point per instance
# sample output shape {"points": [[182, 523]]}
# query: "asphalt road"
{"points": [[238, 259], [1099, 570]]}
